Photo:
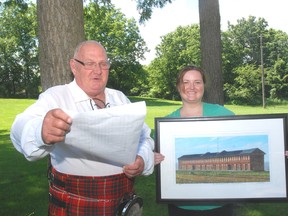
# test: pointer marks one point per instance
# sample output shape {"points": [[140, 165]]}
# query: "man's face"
{"points": [[92, 77]]}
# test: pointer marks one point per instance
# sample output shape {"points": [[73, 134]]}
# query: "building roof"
{"points": [[222, 154]]}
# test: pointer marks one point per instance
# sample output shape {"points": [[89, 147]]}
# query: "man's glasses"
{"points": [[91, 65], [98, 103]]}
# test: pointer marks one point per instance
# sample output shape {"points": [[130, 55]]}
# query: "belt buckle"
{"points": [[51, 177], [50, 197]]}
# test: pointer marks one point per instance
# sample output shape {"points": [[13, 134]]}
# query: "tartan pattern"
{"points": [[89, 195]]}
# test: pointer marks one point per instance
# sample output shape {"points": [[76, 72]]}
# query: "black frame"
{"points": [[170, 131]]}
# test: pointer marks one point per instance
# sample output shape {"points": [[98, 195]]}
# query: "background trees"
{"points": [[240, 57], [241, 47], [125, 47], [103, 22], [62, 15], [176, 50], [19, 68]]}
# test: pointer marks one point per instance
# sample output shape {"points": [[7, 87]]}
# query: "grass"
{"points": [[188, 176], [23, 184], [24, 187]]}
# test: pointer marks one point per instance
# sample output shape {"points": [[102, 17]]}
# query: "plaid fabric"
{"points": [[90, 195]]}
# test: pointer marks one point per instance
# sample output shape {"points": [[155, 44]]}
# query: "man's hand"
{"points": [[55, 126], [135, 169]]}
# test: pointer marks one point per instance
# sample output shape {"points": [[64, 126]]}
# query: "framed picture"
{"points": [[222, 159]]}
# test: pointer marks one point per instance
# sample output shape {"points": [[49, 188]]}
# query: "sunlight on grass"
{"points": [[246, 110], [9, 108]]}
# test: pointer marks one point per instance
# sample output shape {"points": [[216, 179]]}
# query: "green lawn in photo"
{"points": [[190, 177], [24, 186]]}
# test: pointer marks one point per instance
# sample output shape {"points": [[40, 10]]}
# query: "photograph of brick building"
{"points": [[239, 160]]}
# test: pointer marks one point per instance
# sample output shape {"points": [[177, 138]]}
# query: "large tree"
{"points": [[210, 43], [61, 28]]}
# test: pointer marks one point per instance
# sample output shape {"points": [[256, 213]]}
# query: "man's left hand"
{"points": [[134, 169]]}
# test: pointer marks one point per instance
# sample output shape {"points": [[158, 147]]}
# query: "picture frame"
{"points": [[221, 159]]}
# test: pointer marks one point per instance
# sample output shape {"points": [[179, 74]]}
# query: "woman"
{"points": [[190, 85]]}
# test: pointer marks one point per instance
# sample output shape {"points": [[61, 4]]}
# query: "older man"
{"points": [[79, 185]]}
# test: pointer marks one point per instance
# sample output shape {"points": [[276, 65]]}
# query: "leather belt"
{"points": [[55, 181], [57, 202]]}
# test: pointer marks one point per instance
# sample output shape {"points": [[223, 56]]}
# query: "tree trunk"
{"points": [[61, 28], [210, 40]]}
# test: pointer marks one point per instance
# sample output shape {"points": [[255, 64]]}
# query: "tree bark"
{"points": [[61, 28], [210, 44]]}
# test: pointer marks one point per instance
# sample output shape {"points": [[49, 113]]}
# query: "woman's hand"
{"points": [[158, 158]]}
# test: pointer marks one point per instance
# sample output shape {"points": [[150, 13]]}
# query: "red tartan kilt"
{"points": [[84, 196]]}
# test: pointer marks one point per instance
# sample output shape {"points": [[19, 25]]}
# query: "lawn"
{"points": [[23, 184]]}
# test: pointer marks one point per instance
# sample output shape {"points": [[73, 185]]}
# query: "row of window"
{"points": [[217, 160], [245, 167]]}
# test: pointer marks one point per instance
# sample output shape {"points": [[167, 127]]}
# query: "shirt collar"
{"points": [[78, 93]]}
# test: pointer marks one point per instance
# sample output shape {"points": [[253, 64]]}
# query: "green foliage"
{"points": [[125, 47], [247, 86], [277, 80], [245, 36], [176, 50], [242, 47], [19, 48], [275, 47], [19, 71], [240, 56]]}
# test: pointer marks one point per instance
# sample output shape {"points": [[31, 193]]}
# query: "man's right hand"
{"points": [[55, 126]]}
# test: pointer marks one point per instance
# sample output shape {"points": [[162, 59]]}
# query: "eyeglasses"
{"points": [[91, 65], [98, 103]]}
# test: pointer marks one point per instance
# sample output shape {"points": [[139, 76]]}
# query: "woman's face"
{"points": [[192, 87]]}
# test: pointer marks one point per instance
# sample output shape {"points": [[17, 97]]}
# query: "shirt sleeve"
{"points": [[26, 133], [145, 150]]}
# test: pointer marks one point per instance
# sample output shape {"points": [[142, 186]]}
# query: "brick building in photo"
{"points": [[240, 160]]}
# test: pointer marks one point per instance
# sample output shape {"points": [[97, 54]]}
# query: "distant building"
{"points": [[245, 160]]}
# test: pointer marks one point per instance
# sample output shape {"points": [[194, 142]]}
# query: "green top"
{"points": [[208, 110]]}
